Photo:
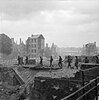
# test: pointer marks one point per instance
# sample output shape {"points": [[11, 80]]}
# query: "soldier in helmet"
{"points": [[60, 62], [76, 62], [51, 61], [97, 60], [41, 61], [86, 60], [26, 60], [69, 61], [19, 60]]}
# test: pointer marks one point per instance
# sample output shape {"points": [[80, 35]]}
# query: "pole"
{"points": [[83, 84], [96, 82]]}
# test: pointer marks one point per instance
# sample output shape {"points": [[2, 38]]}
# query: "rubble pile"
{"points": [[26, 74], [54, 85], [62, 73], [7, 90], [6, 75], [46, 88]]}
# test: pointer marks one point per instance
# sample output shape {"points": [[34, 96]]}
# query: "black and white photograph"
{"points": [[49, 49]]}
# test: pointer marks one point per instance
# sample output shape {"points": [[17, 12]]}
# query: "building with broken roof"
{"points": [[89, 49], [35, 46]]}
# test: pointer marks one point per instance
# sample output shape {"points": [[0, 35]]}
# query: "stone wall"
{"points": [[52, 89], [47, 88]]}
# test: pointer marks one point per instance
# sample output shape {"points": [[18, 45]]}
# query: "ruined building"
{"points": [[89, 49], [35, 46]]}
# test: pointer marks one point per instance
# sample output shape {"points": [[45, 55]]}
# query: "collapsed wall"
{"points": [[52, 89], [54, 85], [6, 75], [59, 84], [9, 90]]}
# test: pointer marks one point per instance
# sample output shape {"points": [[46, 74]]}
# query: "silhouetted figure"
{"points": [[60, 62], [86, 60], [26, 60], [51, 61], [97, 60], [76, 62], [69, 61], [19, 60], [41, 61]]}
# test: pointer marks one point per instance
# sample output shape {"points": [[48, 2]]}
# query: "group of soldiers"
{"points": [[96, 60], [21, 61], [60, 61], [67, 60]]}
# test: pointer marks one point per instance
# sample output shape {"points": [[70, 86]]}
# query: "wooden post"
{"points": [[96, 82], [83, 78], [83, 83]]}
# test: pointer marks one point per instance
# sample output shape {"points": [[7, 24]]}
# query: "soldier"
{"points": [[26, 60], [19, 60], [51, 61], [60, 62], [97, 60], [41, 61], [76, 62], [69, 61], [86, 60]]}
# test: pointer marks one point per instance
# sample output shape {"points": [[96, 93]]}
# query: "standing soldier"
{"points": [[97, 60], [69, 61], [76, 62], [41, 61], [60, 62], [51, 61], [19, 60], [26, 60], [86, 60]]}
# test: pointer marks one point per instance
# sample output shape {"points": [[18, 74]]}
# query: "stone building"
{"points": [[35, 46], [89, 49]]}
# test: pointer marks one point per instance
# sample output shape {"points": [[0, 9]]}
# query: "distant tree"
{"points": [[5, 44]]}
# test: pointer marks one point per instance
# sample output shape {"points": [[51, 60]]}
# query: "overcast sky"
{"points": [[67, 23]]}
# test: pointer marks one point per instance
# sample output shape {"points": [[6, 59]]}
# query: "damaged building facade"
{"points": [[35, 46], [89, 49]]}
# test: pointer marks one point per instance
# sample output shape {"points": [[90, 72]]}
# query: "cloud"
{"points": [[22, 8], [70, 21], [84, 11], [86, 6], [67, 17]]}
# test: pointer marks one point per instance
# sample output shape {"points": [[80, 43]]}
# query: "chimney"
{"points": [[32, 35], [95, 42], [20, 41]]}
